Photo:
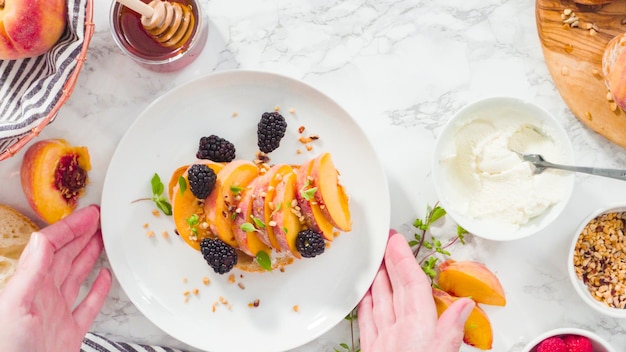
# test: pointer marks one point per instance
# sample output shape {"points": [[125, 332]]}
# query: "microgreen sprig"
{"points": [[157, 195]]}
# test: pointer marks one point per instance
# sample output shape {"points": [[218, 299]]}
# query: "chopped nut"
{"points": [[564, 71], [165, 234], [241, 286], [567, 12], [296, 308], [231, 278], [185, 280], [235, 114], [150, 234], [206, 281], [145, 226], [613, 106], [195, 291], [276, 108], [300, 129], [292, 110], [155, 212], [309, 147]]}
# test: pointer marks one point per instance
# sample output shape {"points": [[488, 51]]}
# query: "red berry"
{"points": [[577, 343], [552, 344]]}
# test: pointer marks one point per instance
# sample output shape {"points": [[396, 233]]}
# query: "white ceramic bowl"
{"points": [[495, 119], [598, 343], [580, 288]]}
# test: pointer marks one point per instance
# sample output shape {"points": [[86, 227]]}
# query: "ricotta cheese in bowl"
{"points": [[484, 184]]}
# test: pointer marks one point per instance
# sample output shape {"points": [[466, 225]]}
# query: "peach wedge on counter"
{"points": [[254, 207], [473, 280], [53, 175], [477, 331]]}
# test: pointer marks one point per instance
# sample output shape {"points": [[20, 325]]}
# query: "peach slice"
{"points": [[185, 205], [221, 204], [477, 331], [246, 237], [285, 222], [471, 279], [262, 206], [53, 176], [310, 210], [330, 195]]}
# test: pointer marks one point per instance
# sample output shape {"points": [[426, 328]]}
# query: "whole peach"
{"points": [[29, 28]]}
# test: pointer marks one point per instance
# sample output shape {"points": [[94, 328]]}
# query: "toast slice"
{"points": [[15, 231]]}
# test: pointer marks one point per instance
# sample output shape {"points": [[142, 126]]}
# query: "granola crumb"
{"points": [[195, 291], [296, 308], [231, 278], [276, 108], [241, 286], [292, 110], [186, 293], [298, 151], [150, 234], [206, 281], [301, 129], [185, 280], [155, 213], [146, 225], [309, 147], [165, 234], [235, 114]]}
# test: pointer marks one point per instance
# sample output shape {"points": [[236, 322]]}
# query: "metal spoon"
{"points": [[540, 164]]}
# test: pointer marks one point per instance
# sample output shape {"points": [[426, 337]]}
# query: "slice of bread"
{"points": [[15, 231]]}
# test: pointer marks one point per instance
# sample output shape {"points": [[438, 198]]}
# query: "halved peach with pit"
{"points": [[53, 176], [331, 195], [220, 206], [188, 211]]}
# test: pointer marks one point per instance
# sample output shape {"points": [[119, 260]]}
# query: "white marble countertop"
{"points": [[401, 68]]}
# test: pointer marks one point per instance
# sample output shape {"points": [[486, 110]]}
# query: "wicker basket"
{"points": [[9, 145]]}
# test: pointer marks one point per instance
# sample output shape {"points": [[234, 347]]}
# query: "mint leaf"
{"points": [[264, 260], [247, 227], [182, 184]]}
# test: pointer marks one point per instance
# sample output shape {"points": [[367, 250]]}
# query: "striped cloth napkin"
{"points": [[30, 88], [96, 343]]}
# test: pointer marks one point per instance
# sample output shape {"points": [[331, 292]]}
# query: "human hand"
{"points": [[37, 312], [398, 312]]}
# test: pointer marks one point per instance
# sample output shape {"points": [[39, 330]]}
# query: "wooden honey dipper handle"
{"points": [[138, 6]]}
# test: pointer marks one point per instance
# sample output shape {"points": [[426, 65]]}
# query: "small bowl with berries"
{"points": [[568, 339]]}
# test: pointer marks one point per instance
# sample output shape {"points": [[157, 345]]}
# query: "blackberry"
{"points": [[219, 255], [310, 243], [270, 130], [201, 180], [216, 149]]}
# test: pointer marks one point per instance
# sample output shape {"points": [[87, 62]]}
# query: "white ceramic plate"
{"points": [[155, 272]]}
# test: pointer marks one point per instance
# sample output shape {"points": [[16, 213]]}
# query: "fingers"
{"points": [[367, 325], [451, 325], [382, 299], [31, 270], [81, 267], [88, 309], [411, 287], [82, 222], [65, 258]]}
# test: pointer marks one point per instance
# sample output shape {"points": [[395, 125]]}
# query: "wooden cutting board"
{"points": [[574, 58]]}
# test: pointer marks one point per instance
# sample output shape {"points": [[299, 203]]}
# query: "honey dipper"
{"points": [[169, 23]]}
